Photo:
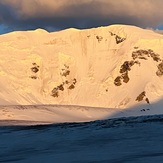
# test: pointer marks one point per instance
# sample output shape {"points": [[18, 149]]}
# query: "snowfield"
{"points": [[129, 140], [80, 75]]}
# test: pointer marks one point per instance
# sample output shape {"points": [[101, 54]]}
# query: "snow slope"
{"points": [[116, 67]]}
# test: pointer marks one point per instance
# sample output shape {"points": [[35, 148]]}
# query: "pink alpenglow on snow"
{"points": [[80, 75]]}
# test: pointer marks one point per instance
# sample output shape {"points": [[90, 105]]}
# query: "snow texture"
{"points": [[110, 71]]}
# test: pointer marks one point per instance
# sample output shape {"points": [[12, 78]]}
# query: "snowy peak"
{"points": [[117, 66]]}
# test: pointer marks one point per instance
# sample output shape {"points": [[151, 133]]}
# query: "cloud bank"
{"points": [[61, 14]]}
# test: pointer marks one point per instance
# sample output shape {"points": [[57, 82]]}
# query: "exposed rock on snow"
{"points": [[99, 67], [118, 39], [160, 69], [144, 54], [99, 38], [142, 97]]}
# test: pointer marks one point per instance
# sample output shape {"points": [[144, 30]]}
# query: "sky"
{"points": [[53, 15]]}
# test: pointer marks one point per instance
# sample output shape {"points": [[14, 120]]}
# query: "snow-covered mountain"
{"points": [[117, 67]]}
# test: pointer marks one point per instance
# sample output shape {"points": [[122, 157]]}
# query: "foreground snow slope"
{"points": [[116, 67], [47, 114]]}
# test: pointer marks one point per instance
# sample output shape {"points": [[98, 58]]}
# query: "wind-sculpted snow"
{"points": [[105, 67], [132, 139]]}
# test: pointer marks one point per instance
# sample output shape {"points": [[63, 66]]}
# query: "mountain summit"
{"points": [[118, 66]]}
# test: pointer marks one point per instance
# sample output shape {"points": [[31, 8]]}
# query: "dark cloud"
{"points": [[61, 14]]}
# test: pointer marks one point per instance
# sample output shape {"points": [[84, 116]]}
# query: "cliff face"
{"points": [[116, 66]]}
